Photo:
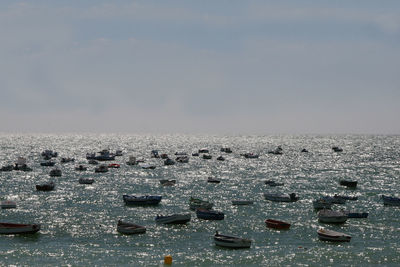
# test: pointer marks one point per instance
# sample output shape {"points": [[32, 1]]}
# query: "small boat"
{"points": [[250, 155], [337, 149], [49, 154], [182, 159], [80, 168], [353, 214], [231, 241], [45, 187], [351, 184], [213, 180], [221, 158], [204, 150], [118, 153], [209, 214], [66, 160], [154, 154], [55, 173], [47, 163], [273, 183], [281, 197], [141, 200], [147, 166], [390, 201], [8, 204], [164, 156], [173, 219], [130, 228], [93, 162], [166, 182], [86, 180], [277, 151], [329, 235], [239, 202], [101, 169], [330, 216], [277, 224], [195, 203], [322, 204], [7, 168], [304, 150], [347, 197], [168, 162], [207, 156], [335, 199], [17, 228], [180, 154], [131, 161], [195, 154], [105, 155], [226, 150], [114, 165]]}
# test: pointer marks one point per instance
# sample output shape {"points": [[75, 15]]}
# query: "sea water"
{"points": [[79, 221]]}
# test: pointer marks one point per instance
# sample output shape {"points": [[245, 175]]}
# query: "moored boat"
{"points": [[195, 203], [55, 172], [8, 204], [86, 180], [350, 184], [213, 180], [101, 169], [277, 224], [47, 163], [329, 235], [80, 168], [390, 201], [45, 187], [141, 200], [353, 214], [114, 165], [322, 204], [17, 228], [130, 228], [166, 182], [331, 216], [168, 162], [281, 197], [239, 202], [231, 241], [173, 219], [209, 214]]}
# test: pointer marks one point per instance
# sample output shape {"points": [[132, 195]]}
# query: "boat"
{"points": [[7, 168], [47, 163], [182, 159], [250, 155], [207, 156], [221, 158], [118, 153], [66, 160], [195, 203], [304, 150], [166, 182], [147, 166], [331, 216], [204, 150], [55, 172], [353, 214], [131, 161], [347, 197], [173, 219], [329, 235], [103, 155], [322, 204], [273, 183], [80, 168], [209, 214], [180, 154], [337, 149], [335, 199], [281, 197], [277, 151], [17, 228], [168, 162], [141, 200], [21, 165], [239, 202], [93, 162], [213, 180], [390, 201], [86, 180], [114, 165], [49, 154], [277, 224], [130, 228], [231, 241], [154, 154], [195, 154], [45, 187], [351, 184], [226, 150], [102, 168], [8, 204]]}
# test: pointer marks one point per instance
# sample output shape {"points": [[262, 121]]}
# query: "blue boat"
{"points": [[391, 201], [142, 200], [209, 214], [352, 214]]}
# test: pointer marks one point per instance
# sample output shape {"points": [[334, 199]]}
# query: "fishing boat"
{"points": [[105, 155], [281, 197], [277, 224], [173, 219], [130, 228], [329, 235], [86, 180], [55, 173], [390, 201], [17, 228], [8, 204], [141, 200], [45, 187], [239, 202], [330, 216], [196, 203], [350, 184], [209, 214], [231, 241], [166, 182], [213, 180]]}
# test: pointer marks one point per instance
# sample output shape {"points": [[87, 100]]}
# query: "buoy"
{"points": [[168, 259]]}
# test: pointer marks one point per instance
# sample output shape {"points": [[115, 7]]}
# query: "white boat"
{"points": [[195, 203], [130, 228], [174, 219], [147, 166], [231, 241], [281, 197], [329, 235], [8, 204], [242, 202], [330, 216], [17, 228]]}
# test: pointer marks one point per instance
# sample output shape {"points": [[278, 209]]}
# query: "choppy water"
{"points": [[79, 221]]}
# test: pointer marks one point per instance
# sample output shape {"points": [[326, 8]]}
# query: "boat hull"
{"points": [[174, 219], [327, 235], [275, 224], [231, 241], [12, 228]]}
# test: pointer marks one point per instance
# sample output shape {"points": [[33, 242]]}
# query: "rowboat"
{"points": [[55, 173], [8, 204], [209, 214], [213, 180], [231, 241], [390, 201], [329, 235], [86, 180], [167, 182], [330, 216], [277, 224], [142, 200], [16, 228], [242, 202], [130, 228], [195, 203], [281, 197], [45, 187], [173, 219]]}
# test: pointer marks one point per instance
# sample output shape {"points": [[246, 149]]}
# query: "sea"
{"points": [[78, 222]]}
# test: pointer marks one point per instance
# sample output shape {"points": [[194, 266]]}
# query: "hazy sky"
{"points": [[200, 66]]}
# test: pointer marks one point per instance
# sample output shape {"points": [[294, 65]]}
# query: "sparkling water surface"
{"points": [[79, 221]]}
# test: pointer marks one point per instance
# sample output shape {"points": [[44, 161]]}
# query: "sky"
{"points": [[217, 67]]}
